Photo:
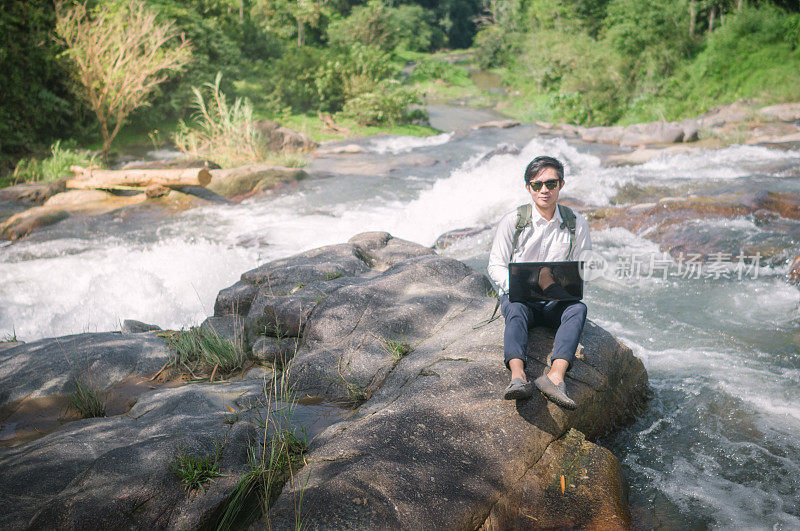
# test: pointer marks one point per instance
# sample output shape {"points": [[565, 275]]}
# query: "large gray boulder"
{"points": [[435, 446], [652, 133], [47, 367], [401, 335]]}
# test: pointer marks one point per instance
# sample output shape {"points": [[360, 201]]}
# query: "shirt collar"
{"points": [[538, 219]]}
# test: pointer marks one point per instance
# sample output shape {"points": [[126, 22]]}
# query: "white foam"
{"points": [[714, 164], [172, 283], [402, 144]]}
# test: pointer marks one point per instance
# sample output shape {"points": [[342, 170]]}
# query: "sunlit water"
{"points": [[719, 444]]}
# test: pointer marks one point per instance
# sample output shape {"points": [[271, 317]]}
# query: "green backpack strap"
{"points": [[523, 219], [568, 221]]}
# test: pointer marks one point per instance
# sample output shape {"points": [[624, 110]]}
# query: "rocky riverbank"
{"points": [[25, 208], [740, 122], [386, 333]]}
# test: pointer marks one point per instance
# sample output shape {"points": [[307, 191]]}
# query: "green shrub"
{"points": [[749, 57], [387, 104], [493, 47], [53, 167], [222, 132], [582, 76], [433, 69], [376, 24]]}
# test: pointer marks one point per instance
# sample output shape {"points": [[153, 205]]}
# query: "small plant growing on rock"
{"points": [[333, 274], [202, 351], [195, 472], [396, 349], [86, 400]]}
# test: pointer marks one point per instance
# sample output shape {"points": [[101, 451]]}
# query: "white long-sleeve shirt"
{"points": [[540, 241]]}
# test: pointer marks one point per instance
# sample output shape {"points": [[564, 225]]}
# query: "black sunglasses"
{"points": [[537, 185]]}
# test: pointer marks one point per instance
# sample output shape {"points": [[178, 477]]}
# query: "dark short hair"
{"points": [[540, 163]]}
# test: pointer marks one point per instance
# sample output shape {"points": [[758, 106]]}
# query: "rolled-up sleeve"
{"points": [[501, 252]]}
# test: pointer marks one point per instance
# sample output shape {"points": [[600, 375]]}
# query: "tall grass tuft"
{"points": [[272, 460], [222, 132], [86, 400], [51, 168], [202, 351]]}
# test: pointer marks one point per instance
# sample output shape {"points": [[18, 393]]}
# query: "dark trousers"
{"points": [[566, 317]]}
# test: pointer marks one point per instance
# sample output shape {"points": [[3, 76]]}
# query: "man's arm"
{"points": [[501, 251]]}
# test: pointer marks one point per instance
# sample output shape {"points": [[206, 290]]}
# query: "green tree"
{"points": [[120, 54], [36, 103], [303, 20]]}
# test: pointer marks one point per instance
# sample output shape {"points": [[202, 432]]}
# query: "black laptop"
{"points": [[524, 281]]}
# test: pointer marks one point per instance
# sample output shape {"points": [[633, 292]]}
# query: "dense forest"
{"points": [[582, 61]]}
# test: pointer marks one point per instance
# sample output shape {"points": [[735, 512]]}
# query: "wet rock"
{"points": [[681, 225], [644, 154], [204, 193], [61, 206], [130, 326], [594, 494], [46, 367], [652, 133], [739, 111], [794, 271], [505, 149], [346, 149], [237, 183], [21, 224], [784, 112], [282, 139], [449, 238], [691, 130], [605, 135], [497, 124], [34, 193], [177, 201]]}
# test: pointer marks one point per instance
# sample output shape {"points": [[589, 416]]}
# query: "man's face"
{"points": [[545, 198]]}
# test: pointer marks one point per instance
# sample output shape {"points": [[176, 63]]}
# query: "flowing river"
{"points": [[719, 442]]}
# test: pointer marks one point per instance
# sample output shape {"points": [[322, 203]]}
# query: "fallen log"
{"points": [[96, 178]]}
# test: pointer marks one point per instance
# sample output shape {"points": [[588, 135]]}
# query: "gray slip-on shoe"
{"points": [[518, 389], [557, 394]]}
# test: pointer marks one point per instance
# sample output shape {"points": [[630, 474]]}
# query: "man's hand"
{"points": [[546, 278]]}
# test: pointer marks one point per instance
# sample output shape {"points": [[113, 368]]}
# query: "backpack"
{"points": [[524, 219]]}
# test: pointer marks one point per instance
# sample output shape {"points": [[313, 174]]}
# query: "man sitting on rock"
{"points": [[543, 237]]}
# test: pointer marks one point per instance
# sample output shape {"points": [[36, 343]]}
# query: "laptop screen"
{"points": [[524, 281]]}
